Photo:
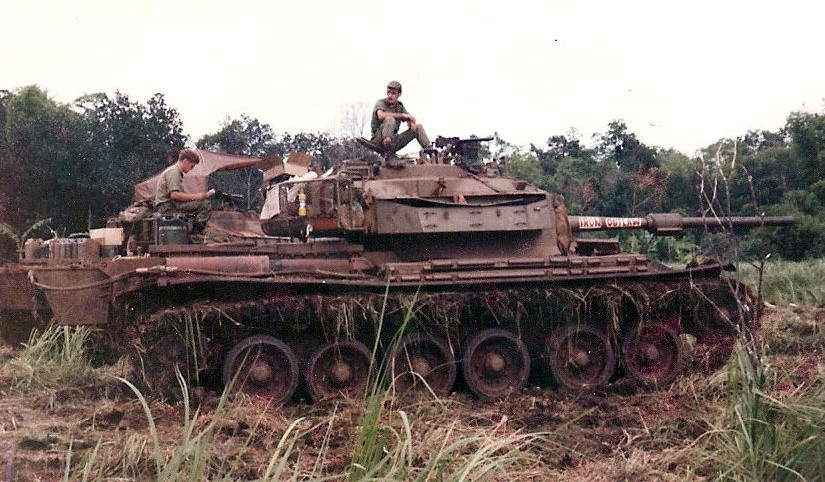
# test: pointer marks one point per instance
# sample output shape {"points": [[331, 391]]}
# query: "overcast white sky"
{"points": [[680, 74]]}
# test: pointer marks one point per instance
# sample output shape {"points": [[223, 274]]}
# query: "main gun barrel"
{"points": [[672, 223]]}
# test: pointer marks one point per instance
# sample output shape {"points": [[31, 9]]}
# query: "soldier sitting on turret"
{"points": [[170, 196], [387, 116]]}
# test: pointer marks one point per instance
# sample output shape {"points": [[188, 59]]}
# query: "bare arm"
{"points": [[182, 196]]}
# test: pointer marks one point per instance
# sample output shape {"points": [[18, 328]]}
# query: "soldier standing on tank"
{"points": [[387, 116], [170, 196]]}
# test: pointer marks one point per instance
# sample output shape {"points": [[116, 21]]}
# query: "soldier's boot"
{"points": [[391, 160]]}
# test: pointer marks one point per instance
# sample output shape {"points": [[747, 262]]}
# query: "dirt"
{"points": [[621, 432]]}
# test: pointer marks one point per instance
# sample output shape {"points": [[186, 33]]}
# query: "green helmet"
{"points": [[394, 85]]}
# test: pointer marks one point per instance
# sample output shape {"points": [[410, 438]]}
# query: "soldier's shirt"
{"points": [[170, 180], [382, 104]]}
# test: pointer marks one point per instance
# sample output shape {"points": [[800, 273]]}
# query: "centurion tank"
{"points": [[424, 273]]}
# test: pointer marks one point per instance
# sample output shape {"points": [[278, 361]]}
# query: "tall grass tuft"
{"points": [[57, 355], [480, 457], [371, 457], [195, 454], [388, 444], [190, 458], [385, 448], [767, 439]]}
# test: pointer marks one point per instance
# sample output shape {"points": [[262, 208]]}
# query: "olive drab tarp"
{"points": [[197, 179]]}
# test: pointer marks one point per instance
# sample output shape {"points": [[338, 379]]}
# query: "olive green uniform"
{"points": [[389, 127], [172, 180]]}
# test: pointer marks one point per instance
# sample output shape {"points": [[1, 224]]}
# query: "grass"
{"points": [[56, 355], [766, 438], [445, 454], [775, 418], [787, 282], [385, 439], [385, 447]]}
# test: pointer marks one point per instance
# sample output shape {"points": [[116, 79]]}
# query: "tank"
{"points": [[425, 272]]}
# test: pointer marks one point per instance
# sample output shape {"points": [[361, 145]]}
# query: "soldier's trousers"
{"points": [[200, 209], [389, 127]]}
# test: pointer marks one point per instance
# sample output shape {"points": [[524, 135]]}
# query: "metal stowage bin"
{"points": [[172, 229]]}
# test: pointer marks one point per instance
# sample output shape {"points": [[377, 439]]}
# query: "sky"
{"points": [[681, 75]]}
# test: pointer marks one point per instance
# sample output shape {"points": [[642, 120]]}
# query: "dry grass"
{"points": [[82, 428]]}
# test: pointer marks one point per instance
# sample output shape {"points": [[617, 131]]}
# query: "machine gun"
{"points": [[228, 199], [453, 148]]}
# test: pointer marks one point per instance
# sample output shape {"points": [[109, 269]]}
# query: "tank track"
{"points": [[556, 326], [189, 338]]}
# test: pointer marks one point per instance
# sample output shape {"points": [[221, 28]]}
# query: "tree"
{"points": [[246, 136], [681, 182], [625, 149], [353, 120], [323, 147], [640, 185], [759, 140], [77, 164], [46, 168], [558, 148], [5, 95], [526, 166], [129, 142], [573, 171], [807, 133]]}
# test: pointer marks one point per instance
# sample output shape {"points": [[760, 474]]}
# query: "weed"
{"points": [[57, 355], [768, 439]]}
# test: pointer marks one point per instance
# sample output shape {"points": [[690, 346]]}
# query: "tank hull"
{"points": [[553, 320]]}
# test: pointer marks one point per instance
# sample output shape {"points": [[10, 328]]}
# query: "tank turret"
{"points": [[435, 207]]}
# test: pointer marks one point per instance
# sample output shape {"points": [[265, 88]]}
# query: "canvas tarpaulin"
{"points": [[197, 179]]}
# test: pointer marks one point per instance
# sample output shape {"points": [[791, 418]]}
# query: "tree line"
{"points": [[75, 164]]}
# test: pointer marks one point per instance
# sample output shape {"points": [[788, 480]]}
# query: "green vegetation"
{"points": [[55, 356], [385, 446], [767, 438], [20, 239], [786, 282]]}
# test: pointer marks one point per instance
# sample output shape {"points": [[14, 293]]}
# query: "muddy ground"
{"points": [[619, 433]]}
